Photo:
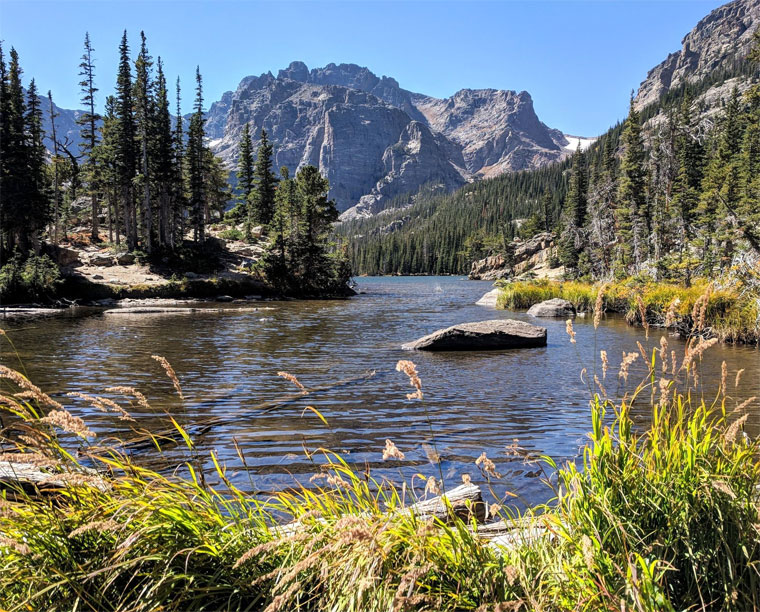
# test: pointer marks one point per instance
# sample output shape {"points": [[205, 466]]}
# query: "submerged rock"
{"points": [[482, 336], [556, 307]]}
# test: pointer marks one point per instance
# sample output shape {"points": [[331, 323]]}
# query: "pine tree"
{"points": [[748, 208], [572, 238], [88, 120], [195, 160], [179, 199], [266, 183], [163, 158], [36, 204], [55, 163], [245, 179], [105, 158], [721, 190], [144, 118], [125, 151], [632, 214]]}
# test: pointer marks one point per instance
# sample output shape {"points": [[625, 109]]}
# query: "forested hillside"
{"points": [[673, 190]]}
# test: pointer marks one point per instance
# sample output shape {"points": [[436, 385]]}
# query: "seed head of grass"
{"points": [[628, 359], [33, 391], [124, 390], [392, 452], [293, 379], [569, 330], [408, 368], [64, 420], [170, 373], [488, 466]]}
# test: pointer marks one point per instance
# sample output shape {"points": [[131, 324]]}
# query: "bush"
{"points": [[35, 278], [231, 234]]}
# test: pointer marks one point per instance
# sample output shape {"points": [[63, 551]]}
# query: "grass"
{"points": [[662, 517], [730, 314]]}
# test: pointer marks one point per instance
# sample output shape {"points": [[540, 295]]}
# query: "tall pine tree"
{"points": [[88, 132]]}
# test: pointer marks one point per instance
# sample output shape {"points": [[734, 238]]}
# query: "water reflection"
{"points": [[228, 363]]}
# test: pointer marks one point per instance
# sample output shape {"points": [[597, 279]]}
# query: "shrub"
{"points": [[34, 278], [231, 234]]}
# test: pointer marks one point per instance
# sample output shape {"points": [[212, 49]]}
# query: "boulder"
{"points": [[101, 259], [61, 255], [496, 334], [556, 307], [125, 259], [489, 299]]}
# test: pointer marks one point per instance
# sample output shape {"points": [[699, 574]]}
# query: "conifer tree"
{"points": [[105, 158], [179, 192], [88, 120], [721, 190], [125, 153], [266, 182], [572, 239], [195, 161], [632, 212], [144, 119], [245, 179], [163, 157], [55, 164], [36, 202]]}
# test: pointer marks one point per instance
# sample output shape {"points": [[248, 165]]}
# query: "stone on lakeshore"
{"points": [[556, 307], [489, 299], [496, 334]]}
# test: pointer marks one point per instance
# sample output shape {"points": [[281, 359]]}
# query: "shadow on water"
{"points": [[228, 362]]}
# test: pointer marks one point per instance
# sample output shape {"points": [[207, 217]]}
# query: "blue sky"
{"points": [[578, 60]]}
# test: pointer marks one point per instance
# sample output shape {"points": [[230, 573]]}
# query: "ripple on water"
{"points": [[474, 402]]}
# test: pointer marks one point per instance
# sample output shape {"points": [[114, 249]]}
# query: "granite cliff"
{"points": [[718, 42], [374, 140]]}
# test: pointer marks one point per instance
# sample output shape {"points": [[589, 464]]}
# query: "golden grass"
{"points": [[724, 313]]}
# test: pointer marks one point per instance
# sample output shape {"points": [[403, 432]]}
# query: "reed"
{"points": [[729, 314], [662, 517]]}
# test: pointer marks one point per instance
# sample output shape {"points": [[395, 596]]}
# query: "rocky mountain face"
{"points": [[66, 127], [721, 38], [375, 141]]}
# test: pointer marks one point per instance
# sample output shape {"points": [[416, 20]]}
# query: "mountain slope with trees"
{"points": [[672, 191]]}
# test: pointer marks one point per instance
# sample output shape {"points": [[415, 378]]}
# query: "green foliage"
{"points": [[300, 258], [35, 278], [232, 234]]}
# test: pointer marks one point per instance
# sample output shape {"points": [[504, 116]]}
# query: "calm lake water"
{"points": [[228, 362]]}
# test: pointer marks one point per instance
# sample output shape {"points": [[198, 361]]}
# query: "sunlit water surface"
{"points": [[228, 362]]}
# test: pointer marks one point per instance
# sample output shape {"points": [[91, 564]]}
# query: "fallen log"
{"points": [[32, 479], [464, 501], [511, 533], [126, 310]]}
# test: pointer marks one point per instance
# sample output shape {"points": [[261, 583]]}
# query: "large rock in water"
{"points": [[482, 336], [556, 307], [489, 299]]}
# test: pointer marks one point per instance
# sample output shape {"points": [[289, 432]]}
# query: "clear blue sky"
{"points": [[579, 60]]}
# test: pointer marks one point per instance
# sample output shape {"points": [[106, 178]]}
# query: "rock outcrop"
{"points": [[497, 130], [555, 307], [375, 141], [531, 257], [720, 39], [497, 334]]}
